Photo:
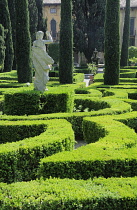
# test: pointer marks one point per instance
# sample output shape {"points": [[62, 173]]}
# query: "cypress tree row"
{"points": [[66, 43], [112, 49], [2, 48], [5, 21], [23, 42], [125, 43]]}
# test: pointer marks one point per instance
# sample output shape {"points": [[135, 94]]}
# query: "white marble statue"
{"points": [[41, 61]]}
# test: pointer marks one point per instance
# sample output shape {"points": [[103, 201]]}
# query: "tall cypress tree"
{"points": [[66, 43], [5, 21], [33, 18], [11, 5], [2, 48], [125, 43], [112, 49], [23, 42], [39, 4]]}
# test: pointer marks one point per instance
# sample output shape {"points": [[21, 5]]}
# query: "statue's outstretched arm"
{"points": [[50, 40]]}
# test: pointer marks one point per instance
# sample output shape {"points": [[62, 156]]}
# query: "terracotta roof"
{"points": [[52, 1], [133, 3]]}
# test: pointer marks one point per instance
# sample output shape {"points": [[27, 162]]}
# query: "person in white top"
{"points": [[41, 60]]}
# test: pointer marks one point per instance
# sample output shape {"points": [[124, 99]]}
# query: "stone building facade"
{"points": [[51, 11], [133, 21]]}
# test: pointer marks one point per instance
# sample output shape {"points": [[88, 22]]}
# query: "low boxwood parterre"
{"points": [[30, 102], [99, 193], [107, 106], [88, 91], [132, 102], [57, 194], [111, 151], [19, 160]]}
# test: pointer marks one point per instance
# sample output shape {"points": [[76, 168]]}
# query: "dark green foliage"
{"points": [[23, 42], [33, 18], [132, 95], [112, 51], [2, 48], [11, 5], [125, 43], [6, 22], [88, 26], [128, 75], [66, 43], [27, 102], [132, 53], [53, 51], [39, 4]]}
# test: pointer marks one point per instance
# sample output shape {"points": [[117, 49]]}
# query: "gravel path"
{"points": [[80, 143]]}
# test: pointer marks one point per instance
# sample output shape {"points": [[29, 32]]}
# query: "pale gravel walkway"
{"points": [[80, 143]]}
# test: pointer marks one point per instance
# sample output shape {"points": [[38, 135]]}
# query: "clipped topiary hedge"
{"points": [[115, 106], [91, 92], [78, 77], [56, 194], [61, 100], [89, 104], [113, 153], [31, 102], [128, 75], [21, 103], [20, 159]]}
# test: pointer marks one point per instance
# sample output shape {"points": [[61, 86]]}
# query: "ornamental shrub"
{"points": [[32, 102], [112, 51], [111, 151], [22, 103], [66, 43], [132, 51], [65, 194], [20, 160]]}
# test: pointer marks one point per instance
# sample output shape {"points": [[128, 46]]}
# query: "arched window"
{"points": [[53, 28]]}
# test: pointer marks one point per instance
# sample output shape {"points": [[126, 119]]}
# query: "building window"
{"points": [[132, 26], [132, 41], [132, 31], [53, 28], [53, 10]]}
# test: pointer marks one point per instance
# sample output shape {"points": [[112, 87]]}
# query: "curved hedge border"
{"points": [[88, 91], [113, 153], [115, 106], [19, 160], [56, 194]]}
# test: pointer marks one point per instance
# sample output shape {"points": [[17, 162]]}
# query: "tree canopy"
{"points": [[88, 18]]}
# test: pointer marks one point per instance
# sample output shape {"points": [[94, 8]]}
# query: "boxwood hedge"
{"points": [[20, 158]]}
